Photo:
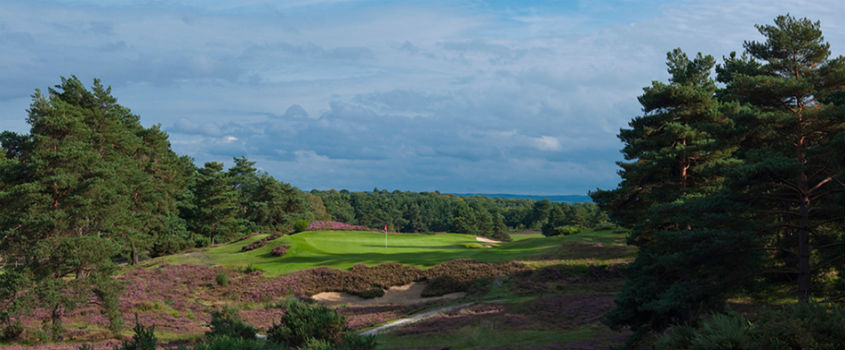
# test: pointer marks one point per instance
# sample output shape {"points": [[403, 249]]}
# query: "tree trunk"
{"points": [[804, 250], [133, 255]]}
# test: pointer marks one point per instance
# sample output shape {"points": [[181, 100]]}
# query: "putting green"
{"points": [[343, 249]]}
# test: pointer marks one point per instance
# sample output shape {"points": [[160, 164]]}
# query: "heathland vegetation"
{"points": [[732, 195]]}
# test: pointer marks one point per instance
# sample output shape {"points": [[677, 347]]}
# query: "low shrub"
{"points": [[300, 225], [459, 275], [280, 250], [371, 293], [604, 226], [254, 245], [797, 326], [353, 341], [221, 279], [567, 230], [302, 324], [475, 245], [250, 269], [335, 225], [227, 322], [12, 330], [143, 339]]}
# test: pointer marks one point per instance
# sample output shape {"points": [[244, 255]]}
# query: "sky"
{"points": [[475, 96]]}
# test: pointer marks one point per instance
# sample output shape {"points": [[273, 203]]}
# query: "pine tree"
{"points": [[217, 211], [791, 183], [674, 151]]}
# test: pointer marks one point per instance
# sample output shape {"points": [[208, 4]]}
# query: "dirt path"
{"points": [[415, 318]]}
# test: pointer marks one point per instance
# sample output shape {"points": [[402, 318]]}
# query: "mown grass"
{"points": [[343, 249]]}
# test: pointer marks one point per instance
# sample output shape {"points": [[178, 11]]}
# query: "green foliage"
{"points": [[353, 341], [797, 326], [143, 339], [300, 225], [304, 324], [561, 230], [225, 342], [221, 279], [436, 212], [227, 322], [715, 177], [217, 214]]}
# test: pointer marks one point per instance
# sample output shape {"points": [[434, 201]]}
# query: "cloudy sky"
{"points": [[457, 96]]}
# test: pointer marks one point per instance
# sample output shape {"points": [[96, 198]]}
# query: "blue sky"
{"points": [[457, 96]]}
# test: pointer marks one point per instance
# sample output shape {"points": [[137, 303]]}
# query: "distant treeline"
{"points": [[569, 198], [438, 212]]}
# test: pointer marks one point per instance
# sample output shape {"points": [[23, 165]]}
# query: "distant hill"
{"points": [[571, 198]]}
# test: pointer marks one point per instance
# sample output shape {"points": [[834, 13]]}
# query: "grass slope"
{"points": [[343, 249]]}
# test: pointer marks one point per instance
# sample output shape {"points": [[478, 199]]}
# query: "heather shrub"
{"points": [[254, 245], [221, 279], [250, 269], [371, 293], [300, 225], [227, 322], [280, 250], [304, 324], [460, 275], [143, 339]]}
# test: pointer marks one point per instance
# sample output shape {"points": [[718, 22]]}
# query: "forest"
{"points": [[732, 188]]}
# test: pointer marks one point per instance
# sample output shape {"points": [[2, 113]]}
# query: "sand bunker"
{"points": [[486, 240], [398, 295]]}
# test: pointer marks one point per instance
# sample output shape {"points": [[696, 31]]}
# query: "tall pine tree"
{"points": [[674, 151], [792, 180]]}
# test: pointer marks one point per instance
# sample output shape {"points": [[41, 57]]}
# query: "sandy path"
{"points": [[397, 295], [414, 318]]}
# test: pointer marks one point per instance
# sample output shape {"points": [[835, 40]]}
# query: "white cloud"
{"points": [[546, 143]]}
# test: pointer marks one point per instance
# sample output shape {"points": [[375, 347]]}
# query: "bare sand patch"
{"points": [[486, 240], [397, 295]]}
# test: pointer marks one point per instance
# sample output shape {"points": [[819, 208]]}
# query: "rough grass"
{"points": [[344, 249]]}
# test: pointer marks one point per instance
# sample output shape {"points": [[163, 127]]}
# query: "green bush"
{"points": [[227, 322], [300, 225], [304, 324], [144, 338], [354, 341], [567, 230], [222, 280], [250, 269], [11, 331], [798, 326]]}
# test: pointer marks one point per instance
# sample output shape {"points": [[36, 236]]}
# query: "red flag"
{"points": [[385, 228]]}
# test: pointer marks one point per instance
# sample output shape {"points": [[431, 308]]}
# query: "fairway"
{"points": [[343, 249]]}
